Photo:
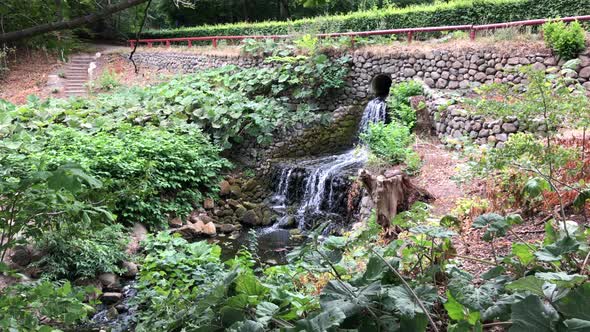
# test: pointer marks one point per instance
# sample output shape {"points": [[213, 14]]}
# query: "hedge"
{"points": [[454, 13]]}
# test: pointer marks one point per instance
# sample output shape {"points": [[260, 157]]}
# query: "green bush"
{"points": [[108, 80], [398, 104], [81, 251], [449, 13], [567, 40], [32, 307], [149, 174], [390, 142]]}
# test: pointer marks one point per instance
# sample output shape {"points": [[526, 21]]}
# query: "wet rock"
{"points": [[240, 211], [226, 228], [121, 308], [250, 218], [111, 297], [250, 206], [235, 191], [130, 270]]}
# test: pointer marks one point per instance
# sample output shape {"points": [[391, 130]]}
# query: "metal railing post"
{"points": [[472, 33], [214, 41], [410, 35]]}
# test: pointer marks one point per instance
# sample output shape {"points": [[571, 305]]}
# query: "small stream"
{"points": [[306, 193]]}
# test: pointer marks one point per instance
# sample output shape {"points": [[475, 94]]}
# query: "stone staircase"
{"points": [[77, 75]]}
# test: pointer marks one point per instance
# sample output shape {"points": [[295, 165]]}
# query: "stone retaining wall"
{"points": [[439, 69], [451, 123]]}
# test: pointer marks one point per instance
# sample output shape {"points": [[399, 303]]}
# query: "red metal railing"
{"points": [[409, 32]]}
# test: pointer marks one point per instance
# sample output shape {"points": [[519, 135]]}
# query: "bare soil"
{"points": [[27, 75]]}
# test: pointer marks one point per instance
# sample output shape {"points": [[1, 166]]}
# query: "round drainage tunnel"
{"points": [[381, 85]]}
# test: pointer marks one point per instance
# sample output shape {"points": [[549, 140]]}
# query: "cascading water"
{"points": [[317, 189]]}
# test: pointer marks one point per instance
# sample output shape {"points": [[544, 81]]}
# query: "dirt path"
{"points": [[439, 166]]}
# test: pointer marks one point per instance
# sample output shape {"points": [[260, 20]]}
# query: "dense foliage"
{"points": [[398, 103], [30, 307], [441, 14], [567, 40], [82, 252], [389, 141]]}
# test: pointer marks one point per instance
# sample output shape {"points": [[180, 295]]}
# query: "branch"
{"points": [[71, 24], [408, 287], [145, 14]]}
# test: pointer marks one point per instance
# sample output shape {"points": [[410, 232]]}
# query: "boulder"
{"points": [[235, 191], [250, 218], [209, 204], [109, 280], [226, 228], [111, 297], [130, 269], [224, 188], [175, 223], [585, 72], [25, 255]]}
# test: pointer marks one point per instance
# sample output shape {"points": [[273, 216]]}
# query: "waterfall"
{"points": [[376, 111], [318, 187]]}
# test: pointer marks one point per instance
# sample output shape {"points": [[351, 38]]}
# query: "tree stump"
{"points": [[391, 193]]}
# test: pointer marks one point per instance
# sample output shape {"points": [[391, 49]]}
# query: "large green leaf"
{"points": [[577, 325], [530, 284], [554, 252], [265, 311], [576, 304], [535, 187], [531, 314], [417, 323], [406, 303], [524, 254], [321, 322], [248, 284], [246, 326]]}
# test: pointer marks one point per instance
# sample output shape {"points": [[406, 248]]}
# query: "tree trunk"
{"points": [[391, 193], [64, 25]]}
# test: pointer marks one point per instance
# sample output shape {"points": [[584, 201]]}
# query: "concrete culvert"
{"points": [[380, 85]]}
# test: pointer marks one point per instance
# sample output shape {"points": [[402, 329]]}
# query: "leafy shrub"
{"points": [[41, 198], [29, 307], [108, 80], [80, 251], [567, 40], [442, 14], [149, 174], [390, 142], [398, 104]]}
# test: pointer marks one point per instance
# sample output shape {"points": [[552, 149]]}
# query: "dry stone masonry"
{"points": [[440, 69]]}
